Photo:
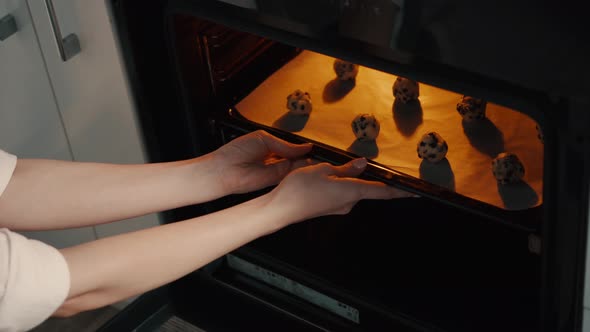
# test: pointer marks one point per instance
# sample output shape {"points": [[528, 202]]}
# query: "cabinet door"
{"points": [[30, 124], [91, 89]]}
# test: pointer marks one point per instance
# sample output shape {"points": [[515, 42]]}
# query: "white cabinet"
{"points": [[92, 91], [77, 109], [30, 124]]}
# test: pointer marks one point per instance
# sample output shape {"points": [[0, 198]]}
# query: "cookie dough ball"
{"points": [[405, 90], [432, 147], [507, 168], [540, 133], [345, 70], [299, 102], [365, 127], [471, 108]]}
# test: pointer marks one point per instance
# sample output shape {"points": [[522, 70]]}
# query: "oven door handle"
{"points": [[67, 47]]}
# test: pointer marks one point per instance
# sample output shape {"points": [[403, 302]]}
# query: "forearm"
{"points": [[51, 194], [112, 269]]}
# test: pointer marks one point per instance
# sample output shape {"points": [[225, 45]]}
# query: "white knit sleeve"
{"points": [[34, 281], [34, 277], [7, 165]]}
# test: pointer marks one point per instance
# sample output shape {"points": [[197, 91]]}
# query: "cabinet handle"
{"points": [[7, 27], [69, 46]]}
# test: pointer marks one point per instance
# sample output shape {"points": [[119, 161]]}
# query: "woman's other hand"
{"points": [[257, 160], [325, 189]]}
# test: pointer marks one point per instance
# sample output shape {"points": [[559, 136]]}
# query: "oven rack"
{"points": [[218, 44]]}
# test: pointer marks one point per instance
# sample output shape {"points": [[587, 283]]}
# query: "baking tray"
{"points": [[472, 146], [232, 124]]}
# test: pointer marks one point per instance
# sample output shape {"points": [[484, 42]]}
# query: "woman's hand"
{"points": [[257, 160], [324, 189]]}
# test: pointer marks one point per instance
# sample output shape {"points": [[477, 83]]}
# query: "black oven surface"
{"points": [[436, 266], [437, 263]]}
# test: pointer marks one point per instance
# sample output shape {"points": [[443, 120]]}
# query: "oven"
{"points": [[471, 253]]}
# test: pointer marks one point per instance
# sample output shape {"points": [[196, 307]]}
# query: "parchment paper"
{"points": [[467, 168]]}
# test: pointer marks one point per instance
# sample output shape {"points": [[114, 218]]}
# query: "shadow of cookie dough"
{"points": [[367, 149], [518, 196], [337, 89], [439, 173], [484, 136], [291, 122], [407, 117]]}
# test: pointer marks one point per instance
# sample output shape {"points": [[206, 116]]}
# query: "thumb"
{"points": [[285, 149], [351, 169]]}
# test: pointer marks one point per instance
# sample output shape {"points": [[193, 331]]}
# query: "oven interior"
{"points": [[453, 259]]}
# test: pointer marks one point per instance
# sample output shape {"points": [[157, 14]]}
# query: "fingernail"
{"points": [[359, 163]]}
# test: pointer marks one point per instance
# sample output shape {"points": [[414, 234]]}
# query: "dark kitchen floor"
{"points": [[88, 321], [91, 321]]}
